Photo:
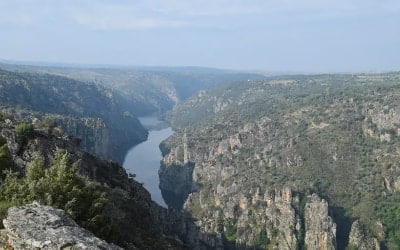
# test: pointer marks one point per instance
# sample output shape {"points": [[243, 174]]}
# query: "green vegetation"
{"points": [[98, 194], [46, 123], [5, 158], [352, 247], [390, 214], [230, 235], [4, 116], [335, 135], [263, 239], [24, 130], [72, 103], [61, 187]]}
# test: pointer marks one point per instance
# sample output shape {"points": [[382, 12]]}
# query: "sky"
{"points": [[265, 35]]}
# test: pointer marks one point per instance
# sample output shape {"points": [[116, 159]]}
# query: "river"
{"points": [[144, 159]]}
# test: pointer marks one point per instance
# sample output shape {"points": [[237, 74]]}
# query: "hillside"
{"points": [[44, 165], [91, 112], [251, 161], [146, 90]]}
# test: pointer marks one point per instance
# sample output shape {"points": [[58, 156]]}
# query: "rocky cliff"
{"points": [[258, 151], [93, 133], [35, 226], [320, 228], [95, 114], [359, 240], [104, 198]]}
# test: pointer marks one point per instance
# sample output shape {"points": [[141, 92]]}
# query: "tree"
{"points": [[5, 160], [60, 186]]}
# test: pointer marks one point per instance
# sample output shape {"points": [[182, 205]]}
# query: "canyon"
{"points": [[284, 162]]}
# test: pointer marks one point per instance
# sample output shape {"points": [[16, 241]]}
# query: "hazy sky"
{"points": [[298, 35]]}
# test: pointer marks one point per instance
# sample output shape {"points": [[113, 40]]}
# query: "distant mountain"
{"points": [[146, 90]]}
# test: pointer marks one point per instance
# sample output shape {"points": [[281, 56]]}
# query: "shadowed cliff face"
{"points": [[90, 112], [176, 184], [100, 105]]}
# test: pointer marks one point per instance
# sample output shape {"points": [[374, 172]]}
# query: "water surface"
{"points": [[144, 159]]}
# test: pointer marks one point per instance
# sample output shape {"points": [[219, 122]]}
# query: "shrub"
{"points": [[47, 123], [24, 129], [4, 205], [5, 159], [4, 116], [60, 186]]}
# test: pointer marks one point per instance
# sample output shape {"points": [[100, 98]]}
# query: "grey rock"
{"points": [[320, 228], [35, 226], [358, 239]]}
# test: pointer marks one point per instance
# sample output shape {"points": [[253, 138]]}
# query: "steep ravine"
{"points": [[279, 217], [95, 114], [302, 163], [144, 159], [248, 214], [137, 221]]}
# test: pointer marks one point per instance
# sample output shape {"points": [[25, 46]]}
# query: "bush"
{"points": [[352, 247], [47, 123], [5, 159], [4, 205], [4, 116], [60, 186], [263, 239], [390, 214], [24, 129]]}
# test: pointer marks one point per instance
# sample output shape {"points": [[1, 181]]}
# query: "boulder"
{"points": [[35, 226]]}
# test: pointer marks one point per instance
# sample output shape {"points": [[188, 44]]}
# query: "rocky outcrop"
{"points": [[93, 134], [229, 196], [42, 227], [359, 240], [176, 184], [320, 228]]}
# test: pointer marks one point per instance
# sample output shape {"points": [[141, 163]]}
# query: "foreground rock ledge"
{"points": [[35, 226]]}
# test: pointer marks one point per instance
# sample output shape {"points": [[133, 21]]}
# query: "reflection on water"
{"points": [[144, 159]]}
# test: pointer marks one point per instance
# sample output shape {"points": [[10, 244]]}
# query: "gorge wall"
{"points": [[289, 163], [90, 112]]}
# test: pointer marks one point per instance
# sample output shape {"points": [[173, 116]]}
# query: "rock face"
{"points": [[238, 208], [139, 222], [259, 148], [95, 114], [93, 134], [320, 228], [176, 184], [359, 240], [35, 226]]}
